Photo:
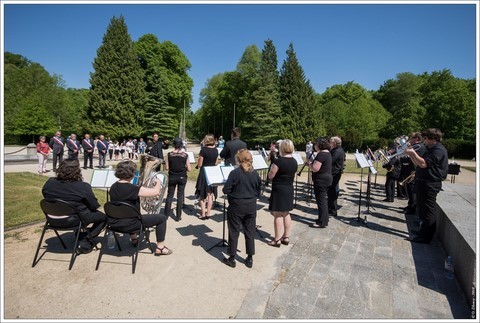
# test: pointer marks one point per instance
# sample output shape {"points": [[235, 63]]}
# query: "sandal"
{"points": [[163, 253], [285, 241], [275, 243]]}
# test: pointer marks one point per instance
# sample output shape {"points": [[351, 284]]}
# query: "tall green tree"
{"points": [[117, 92], [301, 119], [351, 112], [262, 121]]}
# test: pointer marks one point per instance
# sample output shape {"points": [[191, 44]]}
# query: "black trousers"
{"points": [[101, 159], [150, 220], [96, 218], [332, 193], [427, 207], [56, 157], [88, 159], [322, 204], [412, 195], [241, 213], [390, 187], [179, 183]]}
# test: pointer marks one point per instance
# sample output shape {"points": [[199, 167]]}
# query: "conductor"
{"points": [[231, 147]]}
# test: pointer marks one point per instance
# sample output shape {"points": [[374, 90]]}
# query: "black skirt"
{"points": [[281, 198]]}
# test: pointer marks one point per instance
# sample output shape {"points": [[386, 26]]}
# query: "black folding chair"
{"points": [[122, 210], [55, 209]]}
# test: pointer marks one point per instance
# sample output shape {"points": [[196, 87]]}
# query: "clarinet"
{"points": [[308, 158]]}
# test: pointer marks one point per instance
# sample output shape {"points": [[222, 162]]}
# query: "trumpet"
{"points": [[408, 179], [401, 151]]}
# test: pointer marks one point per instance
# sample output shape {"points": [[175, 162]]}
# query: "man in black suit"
{"points": [[87, 145], [73, 146], [231, 147], [155, 149], [57, 144]]}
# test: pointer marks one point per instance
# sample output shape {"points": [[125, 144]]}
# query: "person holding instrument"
{"points": [[243, 189], [177, 165], [432, 169], [322, 179], [338, 159], [393, 167], [282, 175], [124, 191], [415, 140]]}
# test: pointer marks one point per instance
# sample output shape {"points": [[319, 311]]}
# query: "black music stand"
{"points": [[371, 171], [217, 175], [362, 163], [299, 162]]}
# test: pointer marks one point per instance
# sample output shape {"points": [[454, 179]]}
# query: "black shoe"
{"points": [[332, 214], [178, 218], [84, 250], [84, 167], [249, 262], [91, 167], [418, 240], [230, 262]]}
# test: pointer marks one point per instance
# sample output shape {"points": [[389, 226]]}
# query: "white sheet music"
{"points": [[361, 160], [191, 157], [99, 177], [298, 158], [214, 175], [226, 170], [111, 178], [259, 162]]}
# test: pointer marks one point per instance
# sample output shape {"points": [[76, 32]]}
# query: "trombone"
{"points": [[408, 179]]}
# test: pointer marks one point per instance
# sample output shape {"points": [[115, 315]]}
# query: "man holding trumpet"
{"points": [[432, 169]]}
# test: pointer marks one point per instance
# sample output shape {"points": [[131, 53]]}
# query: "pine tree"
{"points": [[301, 121], [263, 114], [117, 92]]}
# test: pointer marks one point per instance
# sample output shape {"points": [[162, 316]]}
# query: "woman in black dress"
{"points": [[322, 179], [208, 156], [177, 165], [282, 175]]}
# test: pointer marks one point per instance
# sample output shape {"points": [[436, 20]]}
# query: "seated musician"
{"points": [[124, 191]]}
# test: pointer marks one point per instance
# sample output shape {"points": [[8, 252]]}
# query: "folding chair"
{"points": [[59, 209], [122, 210]]}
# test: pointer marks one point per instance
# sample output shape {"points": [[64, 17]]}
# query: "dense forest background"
{"points": [[142, 87]]}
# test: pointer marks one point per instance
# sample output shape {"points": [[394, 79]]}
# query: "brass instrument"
{"points": [[385, 159], [147, 175], [408, 179]]}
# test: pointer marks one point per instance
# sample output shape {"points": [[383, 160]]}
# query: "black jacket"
{"points": [[230, 149]]}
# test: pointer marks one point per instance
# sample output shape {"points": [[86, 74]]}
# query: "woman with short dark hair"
{"points": [[322, 178], [69, 186], [124, 191]]}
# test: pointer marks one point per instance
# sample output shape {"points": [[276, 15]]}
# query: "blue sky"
{"points": [[335, 43]]}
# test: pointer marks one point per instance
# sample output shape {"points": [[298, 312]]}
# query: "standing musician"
{"points": [[393, 167], [155, 148], [432, 169], [231, 147], [338, 159], [177, 165], [73, 146], [57, 144], [415, 140], [102, 147], [88, 147]]}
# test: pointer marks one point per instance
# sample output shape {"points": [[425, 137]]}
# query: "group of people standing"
{"points": [[427, 161]]}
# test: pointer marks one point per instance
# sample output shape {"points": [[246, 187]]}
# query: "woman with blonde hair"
{"points": [[243, 189], [282, 175], [208, 156]]}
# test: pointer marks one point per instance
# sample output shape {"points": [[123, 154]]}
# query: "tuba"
{"points": [[147, 175]]}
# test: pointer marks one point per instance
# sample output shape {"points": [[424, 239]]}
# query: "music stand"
{"points": [[362, 163], [373, 171], [215, 176], [103, 178], [299, 160]]}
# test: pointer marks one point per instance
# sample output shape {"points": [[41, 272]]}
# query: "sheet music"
{"points": [[226, 170], [298, 158], [191, 157], [259, 162], [99, 178], [214, 175], [373, 170], [361, 160], [111, 178]]}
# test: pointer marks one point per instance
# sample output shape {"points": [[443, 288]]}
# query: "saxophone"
{"points": [[147, 175]]}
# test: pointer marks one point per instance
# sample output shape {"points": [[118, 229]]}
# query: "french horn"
{"points": [[147, 175]]}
